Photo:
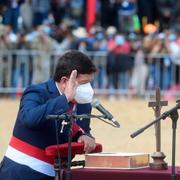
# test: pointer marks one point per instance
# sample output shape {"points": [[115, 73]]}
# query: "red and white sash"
{"points": [[31, 156]]}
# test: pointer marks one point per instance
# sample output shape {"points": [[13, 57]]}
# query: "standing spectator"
{"points": [[42, 61], [100, 45], [119, 62], [76, 12], [26, 14], [111, 60], [41, 10], [140, 70], [108, 13], [11, 39], [160, 66], [147, 12], [67, 41], [126, 10], [23, 62], [174, 49], [175, 19], [11, 13], [4, 62], [83, 43], [165, 10], [59, 10]]}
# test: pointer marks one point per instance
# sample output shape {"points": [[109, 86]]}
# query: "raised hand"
{"points": [[71, 86]]}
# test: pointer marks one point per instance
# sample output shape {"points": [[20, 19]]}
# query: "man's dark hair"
{"points": [[72, 60]]}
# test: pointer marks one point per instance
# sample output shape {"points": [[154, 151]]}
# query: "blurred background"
{"points": [[135, 45]]}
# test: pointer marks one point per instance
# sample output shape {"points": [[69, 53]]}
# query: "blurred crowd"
{"points": [[139, 40]]}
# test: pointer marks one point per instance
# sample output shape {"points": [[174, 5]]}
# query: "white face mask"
{"points": [[84, 93]]}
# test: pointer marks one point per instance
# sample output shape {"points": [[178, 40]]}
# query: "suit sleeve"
{"points": [[35, 106]]}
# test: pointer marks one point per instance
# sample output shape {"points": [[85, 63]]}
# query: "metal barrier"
{"points": [[20, 68]]}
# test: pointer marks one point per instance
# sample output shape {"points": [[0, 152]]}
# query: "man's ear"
{"points": [[63, 81]]}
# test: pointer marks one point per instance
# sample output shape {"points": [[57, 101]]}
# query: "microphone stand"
{"points": [[68, 171], [69, 118], [173, 114], [57, 163]]}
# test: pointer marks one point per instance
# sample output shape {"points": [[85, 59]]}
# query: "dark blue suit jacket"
{"points": [[32, 127], [37, 102]]}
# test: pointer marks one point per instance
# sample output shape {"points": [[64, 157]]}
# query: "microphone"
{"points": [[107, 115]]}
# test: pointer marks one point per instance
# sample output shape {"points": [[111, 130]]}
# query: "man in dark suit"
{"points": [[33, 132]]}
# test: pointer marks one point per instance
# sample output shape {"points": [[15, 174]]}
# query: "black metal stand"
{"points": [[57, 169], [68, 170], [57, 161], [173, 114], [69, 118]]}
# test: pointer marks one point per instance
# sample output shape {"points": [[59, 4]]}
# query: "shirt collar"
{"points": [[58, 88]]}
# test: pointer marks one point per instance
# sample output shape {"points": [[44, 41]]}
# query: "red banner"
{"points": [[90, 14]]}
